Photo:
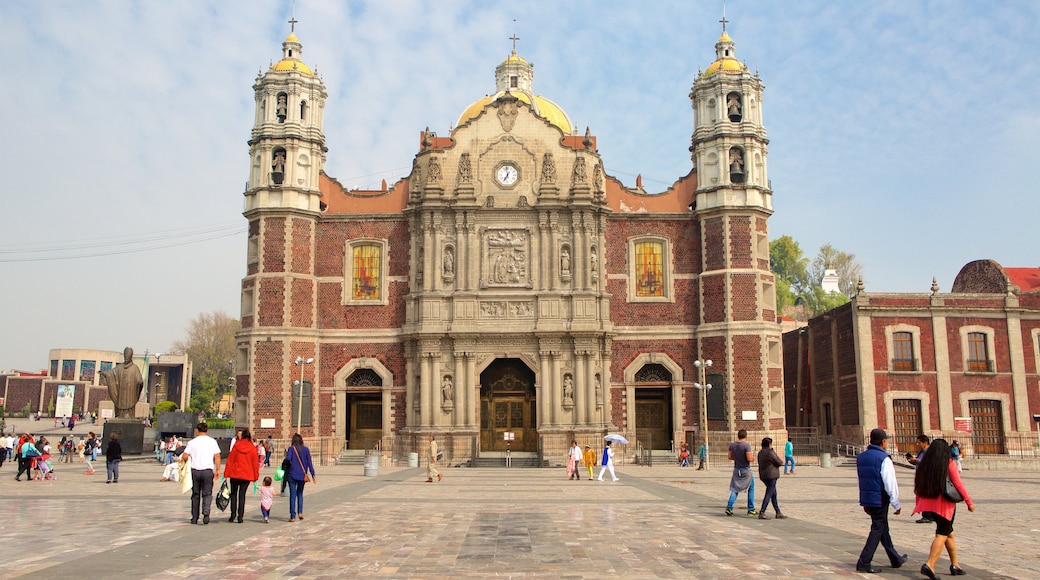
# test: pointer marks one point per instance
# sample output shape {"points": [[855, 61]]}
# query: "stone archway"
{"points": [[508, 404], [363, 404]]}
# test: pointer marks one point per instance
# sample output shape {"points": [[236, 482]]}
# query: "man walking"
{"points": [[431, 467], [203, 453], [877, 489], [789, 457], [742, 480], [608, 462]]}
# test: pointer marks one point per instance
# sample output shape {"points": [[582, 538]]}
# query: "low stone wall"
{"points": [[1001, 464]]}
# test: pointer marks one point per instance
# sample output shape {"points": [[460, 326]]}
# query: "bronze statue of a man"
{"points": [[125, 384]]}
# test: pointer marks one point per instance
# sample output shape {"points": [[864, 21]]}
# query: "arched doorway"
{"points": [[364, 408], [507, 405], [654, 406]]}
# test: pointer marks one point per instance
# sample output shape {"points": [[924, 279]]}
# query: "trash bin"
{"points": [[825, 459], [413, 460], [371, 465]]}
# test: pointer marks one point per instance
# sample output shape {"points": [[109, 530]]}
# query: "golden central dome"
{"points": [[514, 77], [726, 64], [541, 106], [292, 64]]}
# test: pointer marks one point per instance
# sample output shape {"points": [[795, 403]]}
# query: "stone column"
{"points": [[545, 384], [462, 394], [425, 391], [581, 387], [473, 387], [435, 376], [556, 401], [388, 415]]}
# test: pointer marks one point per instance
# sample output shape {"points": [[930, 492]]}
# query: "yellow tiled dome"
{"points": [[291, 64], [725, 64], [542, 107]]}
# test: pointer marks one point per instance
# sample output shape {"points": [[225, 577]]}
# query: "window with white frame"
{"points": [[365, 268], [977, 349], [650, 270]]}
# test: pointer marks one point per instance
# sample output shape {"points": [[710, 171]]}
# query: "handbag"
{"points": [[950, 491], [223, 497]]}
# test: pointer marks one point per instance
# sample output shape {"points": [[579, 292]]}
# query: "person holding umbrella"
{"points": [[608, 456]]}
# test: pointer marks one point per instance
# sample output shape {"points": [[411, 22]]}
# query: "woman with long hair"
{"points": [[301, 470], [929, 483], [242, 469]]}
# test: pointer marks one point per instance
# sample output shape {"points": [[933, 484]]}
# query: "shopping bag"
{"points": [[223, 497], [279, 474], [184, 470]]}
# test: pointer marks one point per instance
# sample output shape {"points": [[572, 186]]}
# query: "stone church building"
{"points": [[509, 284]]}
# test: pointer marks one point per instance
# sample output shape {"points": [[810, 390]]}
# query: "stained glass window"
{"points": [[86, 370], [649, 269], [367, 272], [68, 370]]}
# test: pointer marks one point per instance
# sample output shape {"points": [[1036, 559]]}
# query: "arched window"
{"points": [[653, 373], [303, 110], [736, 165], [734, 107], [364, 378], [278, 166], [282, 109], [649, 269]]}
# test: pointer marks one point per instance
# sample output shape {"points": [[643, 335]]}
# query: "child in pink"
{"points": [[267, 493]]}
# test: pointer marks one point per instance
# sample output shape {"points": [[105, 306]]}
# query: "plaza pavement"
{"points": [[656, 522]]}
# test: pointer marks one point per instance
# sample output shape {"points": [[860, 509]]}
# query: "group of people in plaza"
{"points": [[36, 456], [938, 489], [576, 458], [201, 459]]}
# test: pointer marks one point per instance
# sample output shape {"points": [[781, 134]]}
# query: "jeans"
{"points": [[238, 497], [770, 496], [169, 458], [878, 533], [201, 492], [295, 497], [113, 470], [266, 512], [789, 460], [750, 496]]}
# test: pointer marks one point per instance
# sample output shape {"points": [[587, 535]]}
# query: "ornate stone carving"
{"points": [[465, 174], [507, 112], [594, 262], [506, 257], [506, 309], [447, 393], [598, 385], [580, 176], [416, 179], [448, 263], [522, 201], [568, 390], [565, 263], [548, 169], [489, 202], [433, 171]]}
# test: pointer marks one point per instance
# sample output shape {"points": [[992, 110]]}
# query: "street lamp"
{"points": [[704, 387], [301, 362]]}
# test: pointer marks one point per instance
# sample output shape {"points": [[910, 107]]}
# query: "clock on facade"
{"points": [[507, 174]]}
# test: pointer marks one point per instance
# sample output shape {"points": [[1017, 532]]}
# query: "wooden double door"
{"points": [[364, 419], [508, 405], [654, 418]]}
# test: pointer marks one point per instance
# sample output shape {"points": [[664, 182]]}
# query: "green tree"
{"points": [[789, 263], [848, 269], [210, 345], [799, 290]]}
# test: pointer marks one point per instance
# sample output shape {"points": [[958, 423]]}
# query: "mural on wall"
{"points": [[68, 370], [86, 370]]}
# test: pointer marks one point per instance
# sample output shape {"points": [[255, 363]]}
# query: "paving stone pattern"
{"points": [[659, 522]]}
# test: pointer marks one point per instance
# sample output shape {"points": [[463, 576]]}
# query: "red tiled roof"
{"points": [[1027, 279]]}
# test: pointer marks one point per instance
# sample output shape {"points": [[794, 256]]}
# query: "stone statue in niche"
{"points": [[580, 174], [568, 387], [465, 170], [278, 167], [565, 262], [416, 179], [599, 390], [419, 265], [433, 172], [597, 176], [449, 261], [282, 110], [548, 169], [447, 390], [593, 261]]}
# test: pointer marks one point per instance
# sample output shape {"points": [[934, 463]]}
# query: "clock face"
{"points": [[507, 175]]}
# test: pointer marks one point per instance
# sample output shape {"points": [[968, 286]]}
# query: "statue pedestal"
{"points": [[130, 433], [142, 410]]}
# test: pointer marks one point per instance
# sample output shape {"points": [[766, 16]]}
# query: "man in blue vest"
{"points": [[877, 489]]}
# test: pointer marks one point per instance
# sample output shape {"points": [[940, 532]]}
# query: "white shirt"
{"points": [[576, 453], [201, 450], [888, 478]]}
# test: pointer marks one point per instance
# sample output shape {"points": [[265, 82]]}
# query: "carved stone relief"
{"points": [[465, 174], [548, 169], [506, 309], [507, 113], [580, 173], [433, 172], [506, 254]]}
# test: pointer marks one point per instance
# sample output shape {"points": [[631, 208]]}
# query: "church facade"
{"points": [[509, 288]]}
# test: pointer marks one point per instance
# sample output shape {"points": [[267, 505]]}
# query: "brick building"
{"points": [[924, 363], [509, 284]]}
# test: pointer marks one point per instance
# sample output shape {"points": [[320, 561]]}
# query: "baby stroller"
{"points": [[43, 463]]}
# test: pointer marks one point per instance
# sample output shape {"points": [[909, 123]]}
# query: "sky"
{"points": [[903, 132]]}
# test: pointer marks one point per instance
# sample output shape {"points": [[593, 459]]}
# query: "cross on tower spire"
{"points": [[294, 21], [724, 21], [514, 38]]}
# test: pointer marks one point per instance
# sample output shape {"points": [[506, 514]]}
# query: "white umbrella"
{"points": [[615, 438]]}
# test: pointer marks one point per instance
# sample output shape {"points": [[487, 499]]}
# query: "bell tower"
{"points": [[279, 292], [733, 203]]}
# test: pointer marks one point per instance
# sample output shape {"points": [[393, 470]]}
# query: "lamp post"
{"points": [[704, 388], [301, 362]]}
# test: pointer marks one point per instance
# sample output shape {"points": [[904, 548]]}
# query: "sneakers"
{"points": [[266, 521], [729, 511], [752, 512]]}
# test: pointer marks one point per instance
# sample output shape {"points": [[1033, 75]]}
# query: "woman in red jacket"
{"points": [[929, 483], [242, 469]]}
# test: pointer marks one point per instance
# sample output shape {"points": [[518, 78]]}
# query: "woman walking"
{"points": [[113, 455], [934, 468], [769, 471], [242, 469], [301, 470]]}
